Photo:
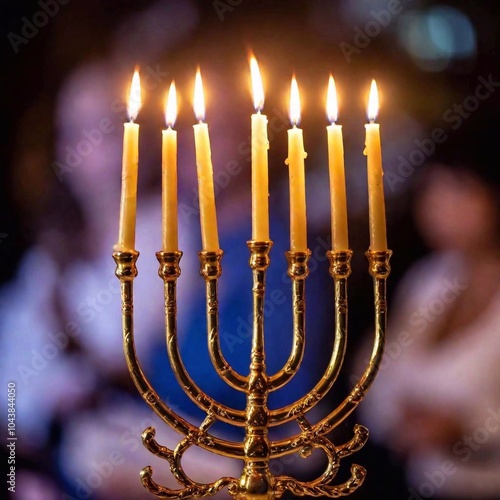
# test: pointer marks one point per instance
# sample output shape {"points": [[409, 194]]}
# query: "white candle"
{"points": [[208, 215], [373, 152], [260, 146], [169, 175], [130, 166], [337, 173], [295, 162]]}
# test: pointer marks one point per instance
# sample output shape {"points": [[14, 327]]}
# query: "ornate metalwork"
{"points": [[256, 481]]}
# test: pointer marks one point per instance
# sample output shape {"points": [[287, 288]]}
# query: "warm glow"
{"points": [[257, 87], [171, 106], [134, 102], [199, 99], [373, 104], [332, 105], [294, 103]]}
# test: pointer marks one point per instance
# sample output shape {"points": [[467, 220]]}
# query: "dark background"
{"points": [[287, 36]]}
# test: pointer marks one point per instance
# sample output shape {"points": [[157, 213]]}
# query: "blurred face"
{"points": [[455, 210]]}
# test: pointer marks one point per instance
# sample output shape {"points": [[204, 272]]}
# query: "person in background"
{"points": [[436, 402]]}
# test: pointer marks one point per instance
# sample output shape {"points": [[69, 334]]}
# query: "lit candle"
{"points": [[337, 173], [208, 216], [295, 162], [260, 145], [169, 175], [130, 163], [373, 151]]}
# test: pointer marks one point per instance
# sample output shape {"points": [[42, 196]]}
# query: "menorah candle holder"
{"points": [[256, 481]]}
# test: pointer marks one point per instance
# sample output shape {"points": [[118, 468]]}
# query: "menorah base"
{"points": [[256, 481]]}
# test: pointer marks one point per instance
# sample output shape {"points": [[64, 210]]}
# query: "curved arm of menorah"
{"points": [[210, 269], [298, 272], [198, 490], [379, 269], [174, 457], [340, 269], [309, 489], [126, 271], [189, 488], [169, 271], [321, 486], [194, 490], [355, 443]]}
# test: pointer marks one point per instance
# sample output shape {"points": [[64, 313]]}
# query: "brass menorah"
{"points": [[256, 450]]}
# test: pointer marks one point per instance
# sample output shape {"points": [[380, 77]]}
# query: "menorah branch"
{"points": [[211, 270], [340, 270], [169, 271], [298, 271], [126, 271], [379, 269]]}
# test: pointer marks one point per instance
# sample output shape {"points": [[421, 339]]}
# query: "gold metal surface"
{"points": [[256, 481]]}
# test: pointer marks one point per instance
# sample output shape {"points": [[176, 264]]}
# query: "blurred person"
{"points": [[436, 401]]}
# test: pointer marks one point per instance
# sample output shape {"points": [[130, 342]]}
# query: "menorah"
{"points": [[256, 450]]}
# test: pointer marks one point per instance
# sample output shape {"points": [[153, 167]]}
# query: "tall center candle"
{"points": [[208, 215], [170, 237], [295, 162], [337, 173], [260, 146]]}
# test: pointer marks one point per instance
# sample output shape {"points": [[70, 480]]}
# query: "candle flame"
{"points": [[257, 86], [294, 102], [373, 102], [199, 98], [332, 105], [171, 106], [135, 101]]}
